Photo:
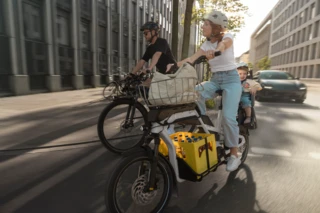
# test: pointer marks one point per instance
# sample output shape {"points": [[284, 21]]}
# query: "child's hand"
{"points": [[246, 85]]}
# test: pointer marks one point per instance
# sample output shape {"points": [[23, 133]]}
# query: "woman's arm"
{"points": [[192, 58], [224, 44]]}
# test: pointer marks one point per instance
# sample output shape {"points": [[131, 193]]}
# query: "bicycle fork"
{"points": [[152, 185], [130, 115]]}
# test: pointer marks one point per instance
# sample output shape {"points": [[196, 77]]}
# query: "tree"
{"points": [[186, 26], [264, 63], [175, 28], [234, 9]]}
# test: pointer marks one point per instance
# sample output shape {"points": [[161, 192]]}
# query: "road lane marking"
{"points": [[315, 155], [267, 151]]}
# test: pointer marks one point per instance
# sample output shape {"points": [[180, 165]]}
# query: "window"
{"points": [[313, 51], [301, 18], [313, 11], [1, 18], [306, 57], [102, 37], [85, 35], [301, 54], [63, 28], [33, 21], [309, 32], [124, 9], [315, 30]]}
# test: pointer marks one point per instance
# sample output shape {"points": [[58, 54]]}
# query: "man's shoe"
{"points": [[233, 163]]}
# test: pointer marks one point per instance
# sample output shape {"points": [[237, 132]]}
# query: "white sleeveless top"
{"points": [[223, 62]]}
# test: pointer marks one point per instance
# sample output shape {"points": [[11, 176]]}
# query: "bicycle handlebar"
{"points": [[199, 60]]}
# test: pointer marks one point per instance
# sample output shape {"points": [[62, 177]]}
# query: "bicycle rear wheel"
{"points": [[243, 149], [116, 131], [126, 187], [112, 89]]}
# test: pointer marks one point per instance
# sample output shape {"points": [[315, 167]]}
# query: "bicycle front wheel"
{"points": [[126, 189], [117, 131]]}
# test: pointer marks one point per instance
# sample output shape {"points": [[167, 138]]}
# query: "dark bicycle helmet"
{"points": [[150, 25]]}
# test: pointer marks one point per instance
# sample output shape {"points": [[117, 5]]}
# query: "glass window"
{"points": [[114, 5], [63, 28], [33, 21], [85, 35], [124, 9], [102, 37], [276, 75], [313, 51], [313, 11], [315, 29], [1, 18]]}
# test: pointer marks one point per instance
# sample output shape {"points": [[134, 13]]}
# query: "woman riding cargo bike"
{"points": [[145, 178]]}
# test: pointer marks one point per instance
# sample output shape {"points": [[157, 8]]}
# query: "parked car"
{"points": [[281, 85]]}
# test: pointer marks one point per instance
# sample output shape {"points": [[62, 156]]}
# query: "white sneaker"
{"points": [[233, 163]]}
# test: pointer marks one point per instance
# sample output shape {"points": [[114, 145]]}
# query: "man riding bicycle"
{"points": [[158, 49]]}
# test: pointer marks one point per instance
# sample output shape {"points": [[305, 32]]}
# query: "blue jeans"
{"points": [[229, 82]]}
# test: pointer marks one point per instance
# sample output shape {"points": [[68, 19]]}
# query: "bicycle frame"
{"points": [[161, 129]]}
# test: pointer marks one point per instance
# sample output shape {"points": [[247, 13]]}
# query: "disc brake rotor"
{"points": [[137, 191]]}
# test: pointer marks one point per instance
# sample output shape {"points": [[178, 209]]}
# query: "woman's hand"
{"points": [[210, 54]]}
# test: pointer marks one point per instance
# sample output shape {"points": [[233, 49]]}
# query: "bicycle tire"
{"points": [[131, 143], [244, 153], [112, 89], [135, 192]]}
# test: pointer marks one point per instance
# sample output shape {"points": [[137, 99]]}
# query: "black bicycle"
{"points": [[120, 121]]}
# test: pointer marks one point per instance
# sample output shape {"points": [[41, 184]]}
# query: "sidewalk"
{"points": [[17, 105], [49, 119]]}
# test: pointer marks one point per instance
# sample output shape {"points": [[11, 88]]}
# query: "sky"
{"points": [[258, 10]]}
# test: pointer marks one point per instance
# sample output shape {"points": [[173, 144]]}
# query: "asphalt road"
{"points": [[281, 173]]}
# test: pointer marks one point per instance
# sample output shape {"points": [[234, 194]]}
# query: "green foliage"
{"points": [[264, 63], [234, 10], [250, 66]]}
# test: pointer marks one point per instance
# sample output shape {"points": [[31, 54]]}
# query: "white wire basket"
{"points": [[171, 91]]}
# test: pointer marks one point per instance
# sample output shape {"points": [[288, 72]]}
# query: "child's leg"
{"points": [[248, 115], [246, 105]]}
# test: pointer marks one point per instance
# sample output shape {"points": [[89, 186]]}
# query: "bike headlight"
{"points": [[302, 88]]}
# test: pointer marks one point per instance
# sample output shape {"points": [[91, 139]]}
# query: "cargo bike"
{"points": [[145, 177]]}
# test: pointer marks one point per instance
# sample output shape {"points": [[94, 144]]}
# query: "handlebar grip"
{"points": [[173, 69]]}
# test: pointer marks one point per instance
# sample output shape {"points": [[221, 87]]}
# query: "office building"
{"points": [[54, 45]]}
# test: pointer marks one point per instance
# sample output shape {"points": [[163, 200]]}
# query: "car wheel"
{"points": [[299, 100]]}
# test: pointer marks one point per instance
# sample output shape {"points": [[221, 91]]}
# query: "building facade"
{"points": [[54, 45], [295, 37], [260, 42]]}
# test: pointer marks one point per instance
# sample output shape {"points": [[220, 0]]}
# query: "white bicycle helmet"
{"points": [[242, 64], [217, 17]]}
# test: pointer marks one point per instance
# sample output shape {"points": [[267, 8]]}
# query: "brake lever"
{"points": [[204, 58], [174, 68]]}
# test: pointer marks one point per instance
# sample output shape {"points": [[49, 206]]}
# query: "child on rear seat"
{"points": [[248, 87]]}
